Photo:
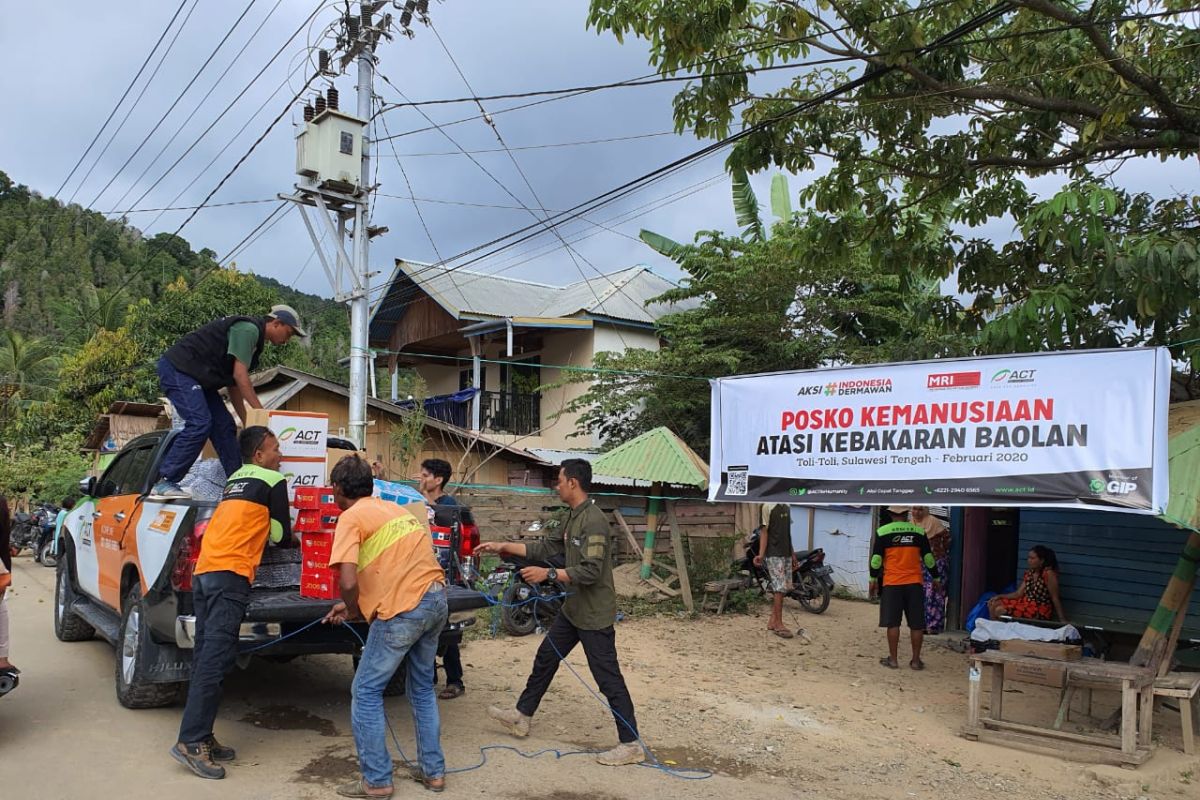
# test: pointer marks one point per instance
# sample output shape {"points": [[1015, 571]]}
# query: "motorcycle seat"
{"points": [[803, 554]]}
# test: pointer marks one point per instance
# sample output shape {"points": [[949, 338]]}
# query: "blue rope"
{"points": [[652, 760]]}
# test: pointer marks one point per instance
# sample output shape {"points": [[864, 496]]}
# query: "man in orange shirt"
{"points": [[391, 578], [253, 508]]}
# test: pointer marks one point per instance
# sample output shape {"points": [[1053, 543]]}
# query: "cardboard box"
{"points": [[301, 434], [302, 472], [1056, 651], [1043, 674], [335, 454]]}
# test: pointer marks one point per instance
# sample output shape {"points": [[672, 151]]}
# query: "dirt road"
{"points": [[771, 718]]}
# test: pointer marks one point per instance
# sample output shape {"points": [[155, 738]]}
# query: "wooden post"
{"points": [[1173, 639], [624, 526], [997, 709], [1154, 644], [685, 584], [651, 525], [1128, 717]]}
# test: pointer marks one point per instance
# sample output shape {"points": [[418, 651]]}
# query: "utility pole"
{"points": [[360, 353], [334, 191]]}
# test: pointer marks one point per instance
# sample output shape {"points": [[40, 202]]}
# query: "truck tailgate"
{"points": [[286, 605]]}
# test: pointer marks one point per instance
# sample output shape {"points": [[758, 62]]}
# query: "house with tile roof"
{"points": [[492, 348]]}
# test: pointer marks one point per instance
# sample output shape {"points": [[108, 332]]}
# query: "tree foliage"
{"points": [[786, 301], [90, 304], [941, 138]]}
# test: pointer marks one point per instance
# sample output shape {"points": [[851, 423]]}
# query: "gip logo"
{"points": [[1096, 485]]}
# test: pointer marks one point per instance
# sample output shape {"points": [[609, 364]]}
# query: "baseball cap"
{"points": [[288, 316], [898, 509]]}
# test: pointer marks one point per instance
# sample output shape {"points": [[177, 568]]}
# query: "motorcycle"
{"points": [[525, 607], [812, 580], [24, 531], [43, 546]]}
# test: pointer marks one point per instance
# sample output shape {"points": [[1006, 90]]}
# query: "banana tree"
{"points": [[746, 210]]}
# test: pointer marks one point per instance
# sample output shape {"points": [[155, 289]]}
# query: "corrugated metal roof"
{"points": [[1183, 457], [620, 295], [659, 456], [553, 456]]}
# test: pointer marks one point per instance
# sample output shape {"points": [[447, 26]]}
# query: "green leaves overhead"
{"points": [[926, 158]]}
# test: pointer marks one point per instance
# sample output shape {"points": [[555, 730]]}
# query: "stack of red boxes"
{"points": [[316, 518]]}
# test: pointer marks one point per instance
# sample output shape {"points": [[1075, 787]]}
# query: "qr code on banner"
{"points": [[737, 483]]}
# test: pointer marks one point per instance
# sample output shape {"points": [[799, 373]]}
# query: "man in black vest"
{"points": [[221, 354]]}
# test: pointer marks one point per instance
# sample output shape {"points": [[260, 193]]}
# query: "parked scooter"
{"points": [[43, 546], [812, 581], [523, 608]]}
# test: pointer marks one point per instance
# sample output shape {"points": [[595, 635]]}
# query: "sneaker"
{"points": [[516, 722], [219, 751], [198, 758], [622, 754], [168, 491]]}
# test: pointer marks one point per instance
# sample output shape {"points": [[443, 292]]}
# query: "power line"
{"points": [[177, 100], [188, 118], [124, 94], [153, 74], [229, 106], [508, 241], [546, 146]]}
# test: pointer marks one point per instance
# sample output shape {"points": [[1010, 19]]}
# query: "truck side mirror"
{"points": [[88, 486]]}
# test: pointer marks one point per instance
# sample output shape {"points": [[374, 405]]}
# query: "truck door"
{"points": [[117, 506]]}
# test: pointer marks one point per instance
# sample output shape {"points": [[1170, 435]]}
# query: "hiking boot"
{"points": [[622, 754], [516, 722], [219, 751], [167, 490], [198, 758]]}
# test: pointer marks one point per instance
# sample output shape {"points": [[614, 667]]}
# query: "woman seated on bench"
{"points": [[1037, 596]]}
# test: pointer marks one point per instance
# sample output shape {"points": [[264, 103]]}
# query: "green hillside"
{"points": [[87, 306]]}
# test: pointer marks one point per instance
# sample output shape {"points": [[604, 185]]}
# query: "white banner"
{"points": [[1085, 428]]}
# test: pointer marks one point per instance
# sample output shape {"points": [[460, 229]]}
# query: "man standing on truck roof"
{"points": [[390, 577], [587, 614], [253, 508], [219, 355]]}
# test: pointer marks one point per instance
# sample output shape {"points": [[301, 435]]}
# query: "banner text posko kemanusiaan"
{"points": [[1062, 429]]}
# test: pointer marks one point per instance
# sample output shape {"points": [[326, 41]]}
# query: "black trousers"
{"points": [[452, 664], [219, 600], [600, 647]]}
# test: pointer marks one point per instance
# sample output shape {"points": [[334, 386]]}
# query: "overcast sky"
{"points": [[68, 63]]}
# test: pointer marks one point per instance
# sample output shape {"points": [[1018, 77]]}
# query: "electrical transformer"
{"points": [[329, 150]]}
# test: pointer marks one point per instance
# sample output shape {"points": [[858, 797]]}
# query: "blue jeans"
{"points": [[412, 638], [204, 417]]}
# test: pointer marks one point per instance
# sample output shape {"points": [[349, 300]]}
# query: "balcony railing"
{"points": [[515, 413]]}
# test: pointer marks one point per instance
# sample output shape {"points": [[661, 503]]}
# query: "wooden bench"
{"points": [[722, 588], [1129, 749], [1184, 687]]}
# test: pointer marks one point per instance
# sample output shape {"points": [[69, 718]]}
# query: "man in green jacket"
{"points": [[587, 614]]}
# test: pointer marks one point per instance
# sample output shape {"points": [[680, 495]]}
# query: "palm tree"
{"points": [[28, 367]]}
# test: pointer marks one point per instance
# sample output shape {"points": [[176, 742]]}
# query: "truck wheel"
{"points": [[395, 687], [133, 641], [68, 627]]}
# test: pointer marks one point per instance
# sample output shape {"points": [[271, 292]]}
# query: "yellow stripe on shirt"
{"points": [[385, 537]]}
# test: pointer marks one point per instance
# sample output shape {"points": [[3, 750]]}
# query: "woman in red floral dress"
{"points": [[1037, 597]]}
